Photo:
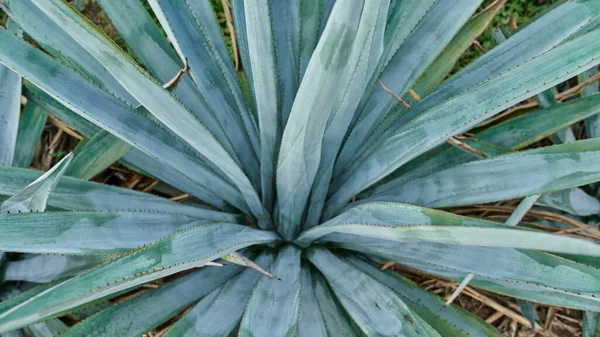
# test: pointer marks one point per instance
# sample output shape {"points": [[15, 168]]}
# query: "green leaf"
{"points": [[115, 116], [590, 320], [513, 134], [241, 260], [528, 310], [220, 311], [31, 127], [452, 321], [87, 232], [529, 275], [59, 44], [50, 328], [96, 154], [556, 167], [34, 197], [592, 124], [405, 223], [463, 40], [263, 62], [347, 52], [10, 108], [273, 306], [192, 23], [406, 62], [366, 52], [376, 309], [155, 98], [536, 39], [141, 314], [310, 320], [435, 126], [335, 318], [185, 250], [76, 194], [47, 268]]}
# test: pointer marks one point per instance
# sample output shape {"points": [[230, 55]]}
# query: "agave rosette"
{"points": [[312, 153]]}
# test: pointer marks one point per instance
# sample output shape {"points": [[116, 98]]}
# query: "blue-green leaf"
{"points": [[220, 311], [273, 306], [10, 109], [348, 52], [469, 108], [143, 313], [310, 321], [34, 197], [452, 321], [47, 268], [375, 308], [87, 232], [191, 248], [31, 127], [405, 223]]}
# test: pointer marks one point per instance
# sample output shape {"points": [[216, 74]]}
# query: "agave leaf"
{"points": [[443, 64], [141, 314], [560, 63], [87, 232], [275, 298], [529, 275], [263, 62], [310, 30], [147, 41], [134, 158], [592, 124], [50, 328], [96, 154], [220, 311], [154, 97], [453, 321], [335, 318], [48, 268], [60, 111], [341, 116], [122, 120], [10, 108], [76, 194], [31, 126], [310, 321], [34, 197], [590, 322], [407, 62], [194, 26], [535, 39], [188, 249], [528, 310], [406, 223], [353, 37], [574, 201], [376, 309], [513, 134], [546, 99], [241, 260], [59, 44], [557, 167]]}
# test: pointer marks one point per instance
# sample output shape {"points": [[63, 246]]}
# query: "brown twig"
{"points": [[231, 27]]}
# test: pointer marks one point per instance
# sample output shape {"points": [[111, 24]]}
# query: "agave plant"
{"points": [[320, 151]]}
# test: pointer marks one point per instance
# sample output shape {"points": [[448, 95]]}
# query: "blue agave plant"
{"points": [[328, 145]]}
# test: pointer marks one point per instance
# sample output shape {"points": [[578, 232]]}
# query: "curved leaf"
{"points": [[34, 197], [273, 306], [375, 308], [191, 248], [141, 314], [220, 311], [405, 223], [87, 232]]}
